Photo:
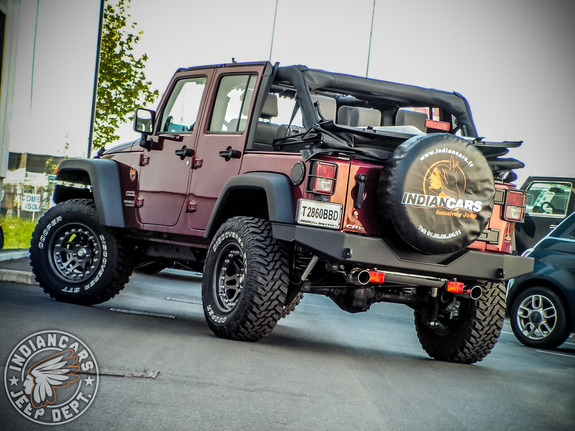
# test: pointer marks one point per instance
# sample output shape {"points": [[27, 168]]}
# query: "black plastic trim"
{"points": [[104, 177]]}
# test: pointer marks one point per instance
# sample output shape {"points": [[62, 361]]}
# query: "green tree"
{"points": [[122, 85]]}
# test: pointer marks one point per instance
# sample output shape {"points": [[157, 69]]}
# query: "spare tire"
{"points": [[437, 191]]}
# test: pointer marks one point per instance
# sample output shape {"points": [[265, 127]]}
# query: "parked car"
{"points": [[541, 304], [279, 181], [549, 200]]}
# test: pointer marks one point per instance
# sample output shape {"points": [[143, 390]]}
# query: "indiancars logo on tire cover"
{"points": [[444, 186], [51, 377]]}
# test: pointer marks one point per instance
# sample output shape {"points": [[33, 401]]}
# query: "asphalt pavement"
{"points": [[161, 367]]}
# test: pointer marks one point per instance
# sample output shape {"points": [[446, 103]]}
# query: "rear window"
{"points": [[548, 198]]}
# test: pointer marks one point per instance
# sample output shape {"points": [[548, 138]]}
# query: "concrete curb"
{"points": [[12, 255], [13, 275], [21, 277]]}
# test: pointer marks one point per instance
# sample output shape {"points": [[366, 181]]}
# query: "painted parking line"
{"points": [[549, 352], [142, 313]]}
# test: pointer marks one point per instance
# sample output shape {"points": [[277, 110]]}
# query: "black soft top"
{"points": [[325, 137], [385, 92]]}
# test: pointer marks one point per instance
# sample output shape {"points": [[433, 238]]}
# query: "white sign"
{"points": [[31, 202]]}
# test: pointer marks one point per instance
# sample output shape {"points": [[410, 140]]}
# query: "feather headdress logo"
{"points": [[51, 377]]}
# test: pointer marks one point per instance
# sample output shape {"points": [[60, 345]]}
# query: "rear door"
{"points": [[221, 143]]}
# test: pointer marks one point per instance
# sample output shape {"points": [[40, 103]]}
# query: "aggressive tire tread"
{"points": [[118, 268], [470, 338], [265, 284]]}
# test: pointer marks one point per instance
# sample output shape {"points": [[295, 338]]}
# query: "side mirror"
{"points": [[144, 123]]}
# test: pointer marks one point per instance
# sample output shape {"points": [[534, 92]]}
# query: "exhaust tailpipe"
{"points": [[360, 277], [475, 292]]}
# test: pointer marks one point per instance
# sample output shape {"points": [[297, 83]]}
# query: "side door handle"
{"points": [[230, 153], [184, 152]]}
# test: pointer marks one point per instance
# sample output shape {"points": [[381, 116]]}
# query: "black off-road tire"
{"points": [[539, 318], [470, 337], [245, 280], [291, 304], [74, 258]]}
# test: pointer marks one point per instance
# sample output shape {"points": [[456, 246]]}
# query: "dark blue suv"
{"points": [[541, 304]]}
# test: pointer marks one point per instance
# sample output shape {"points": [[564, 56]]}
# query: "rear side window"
{"points": [[233, 101], [548, 198]]}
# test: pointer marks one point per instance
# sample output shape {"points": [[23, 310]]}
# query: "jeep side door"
{"points": [[165, 170], [221, 143]]}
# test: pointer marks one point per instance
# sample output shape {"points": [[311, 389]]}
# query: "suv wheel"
{"points": [[245, 280], [74, 258], [470, 337], [539, 318]]}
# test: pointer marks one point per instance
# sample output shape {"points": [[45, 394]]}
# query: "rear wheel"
{"points": [[74, 258], [539, 318], [245, 280], [469, 337]]}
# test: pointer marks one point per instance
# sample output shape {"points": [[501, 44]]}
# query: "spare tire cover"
{"points": [[438, 192]]}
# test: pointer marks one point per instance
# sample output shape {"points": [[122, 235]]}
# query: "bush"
{"points": [[17, 232]]}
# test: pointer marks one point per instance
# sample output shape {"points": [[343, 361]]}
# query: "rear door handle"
{"points": [[230, 153]]}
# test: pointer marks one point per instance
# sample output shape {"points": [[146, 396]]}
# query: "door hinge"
{"points": [[144, 160], [191, 206], [139, 202], [197, 162]]}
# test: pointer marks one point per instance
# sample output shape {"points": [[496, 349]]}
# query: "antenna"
{"points": [[370, 37], [273, 30]]}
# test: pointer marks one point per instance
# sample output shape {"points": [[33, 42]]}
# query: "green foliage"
{"points": [[17, 232], [122, 85]]}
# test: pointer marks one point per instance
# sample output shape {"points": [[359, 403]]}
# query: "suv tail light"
{"points": [[455, 286], [322, 178], [514, 208]]}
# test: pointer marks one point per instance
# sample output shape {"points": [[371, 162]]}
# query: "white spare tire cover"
{"points": [[437, 191]]}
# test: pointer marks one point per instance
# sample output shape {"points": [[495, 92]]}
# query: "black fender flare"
{"points": [[277, 188], [104, 177]]}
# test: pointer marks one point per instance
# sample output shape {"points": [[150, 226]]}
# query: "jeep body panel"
{"points": [[277, 198]]}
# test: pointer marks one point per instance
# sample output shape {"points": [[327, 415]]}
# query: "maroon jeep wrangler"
{"points": [[278, 181]]}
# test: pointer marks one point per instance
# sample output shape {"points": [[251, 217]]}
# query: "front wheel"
{"points": [[245, 280], [74, 258], [470, 336], [539, 318]]}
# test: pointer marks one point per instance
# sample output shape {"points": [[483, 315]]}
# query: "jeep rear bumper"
{"points": [[373, 252]]}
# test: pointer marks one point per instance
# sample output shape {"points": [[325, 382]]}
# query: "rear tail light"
{"points": [[376, 277], [455, 286], [514, 208], [322, 178]]}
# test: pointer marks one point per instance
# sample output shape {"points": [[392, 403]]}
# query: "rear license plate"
{"points": [[323, 214]]}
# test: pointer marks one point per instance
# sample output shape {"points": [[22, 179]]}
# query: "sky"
{"points": [[512, 59]]}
